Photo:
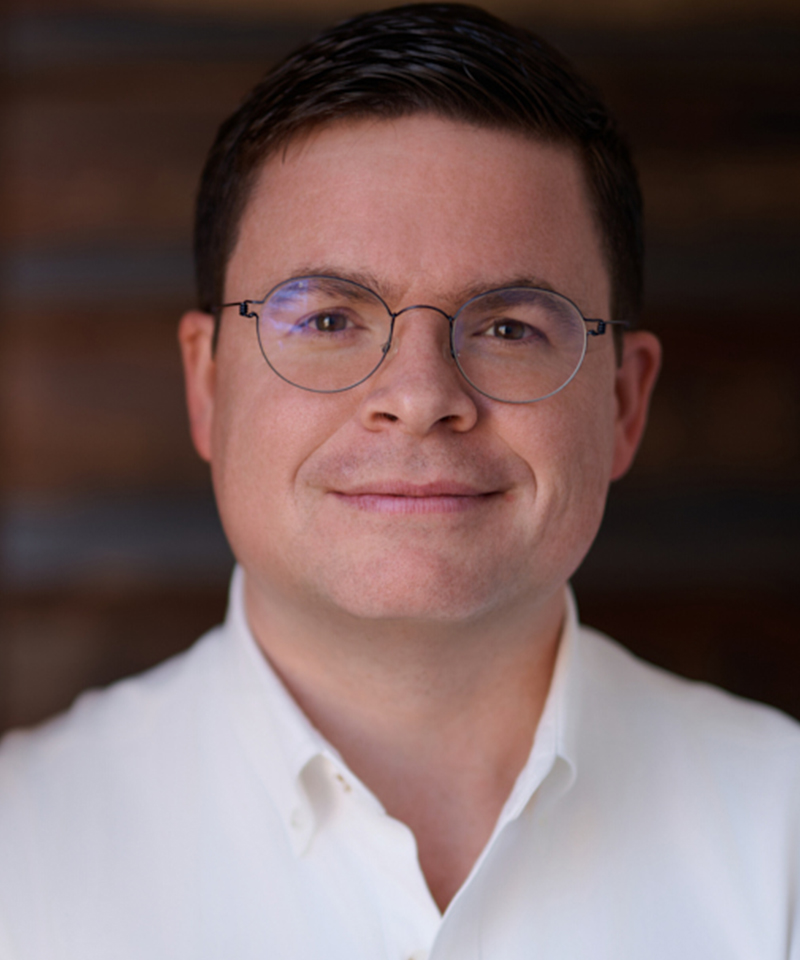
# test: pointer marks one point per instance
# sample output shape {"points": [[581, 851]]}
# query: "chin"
{"points": [[419, 591]]}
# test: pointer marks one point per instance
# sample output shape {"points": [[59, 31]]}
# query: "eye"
{"points": [[326, 322], [511, 330]]}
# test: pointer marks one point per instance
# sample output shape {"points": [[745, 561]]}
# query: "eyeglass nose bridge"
{"points": [[423, 306]]}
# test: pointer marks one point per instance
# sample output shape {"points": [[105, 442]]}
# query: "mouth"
{"points": [[411, 498]]}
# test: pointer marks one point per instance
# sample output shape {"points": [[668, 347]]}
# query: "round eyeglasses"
{"points": [[514, 344]]}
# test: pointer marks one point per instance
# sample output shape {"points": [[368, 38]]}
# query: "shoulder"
{"points": [[681, 727], [107, 732], [656, 691]]}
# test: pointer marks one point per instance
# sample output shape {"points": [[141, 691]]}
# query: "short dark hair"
{"points": [[452, 60]]}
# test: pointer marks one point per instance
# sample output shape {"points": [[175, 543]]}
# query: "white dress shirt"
{"points": [[193, 813]]}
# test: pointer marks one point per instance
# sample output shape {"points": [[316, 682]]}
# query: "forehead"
{"points": [[420, 202]]}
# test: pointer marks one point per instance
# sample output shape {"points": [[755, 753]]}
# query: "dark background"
{"points": [[110, 548]]}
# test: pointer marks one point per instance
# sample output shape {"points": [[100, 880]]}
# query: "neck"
{"points": [[436, 719]]}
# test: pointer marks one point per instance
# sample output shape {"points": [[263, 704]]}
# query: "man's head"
{"points": [[412, 494], [450, 60]]}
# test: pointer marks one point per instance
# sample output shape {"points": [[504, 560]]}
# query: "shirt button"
{"points": [[347, 788]]}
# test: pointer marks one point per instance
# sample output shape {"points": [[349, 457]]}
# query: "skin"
{"points": [[406, 544]]}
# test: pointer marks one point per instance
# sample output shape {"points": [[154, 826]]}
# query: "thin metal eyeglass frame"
{"points": [[247, 313]]}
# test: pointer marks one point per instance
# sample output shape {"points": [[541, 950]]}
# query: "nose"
{"points": [[418, 387]]}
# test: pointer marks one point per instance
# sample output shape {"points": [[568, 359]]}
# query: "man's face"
{"points": [[410, 495]]}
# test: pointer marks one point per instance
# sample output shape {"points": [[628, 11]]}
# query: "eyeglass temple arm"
{"points": [[244, 308], [602, 324]]}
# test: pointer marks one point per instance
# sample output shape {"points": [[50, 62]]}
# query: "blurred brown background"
{"points": [[111, 552]]}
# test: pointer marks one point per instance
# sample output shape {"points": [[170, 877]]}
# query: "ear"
{"points": [[196, 338], [635, 379]]}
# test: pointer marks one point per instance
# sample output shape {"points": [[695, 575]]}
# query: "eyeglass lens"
{"points": [[516, 345]]}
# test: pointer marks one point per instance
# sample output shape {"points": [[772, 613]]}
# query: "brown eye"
{"points": [[328, 322], [510, 330]]}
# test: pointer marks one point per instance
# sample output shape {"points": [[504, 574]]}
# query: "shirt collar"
{"points": [[277, 736], [553, 744], [552, 755], [281, 742]]}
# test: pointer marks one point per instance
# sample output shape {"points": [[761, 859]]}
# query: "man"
{"points": [[418, 246]]}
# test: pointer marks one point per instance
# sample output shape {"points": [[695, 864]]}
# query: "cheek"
{"points": [[264, 432], [240, 469], [568, 448], [590, 456]]}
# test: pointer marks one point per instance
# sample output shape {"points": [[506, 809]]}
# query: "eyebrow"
{"points": [[389, 292], [534, 283]]}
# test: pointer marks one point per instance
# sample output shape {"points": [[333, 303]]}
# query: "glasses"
{"points": [[514, 344]]}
